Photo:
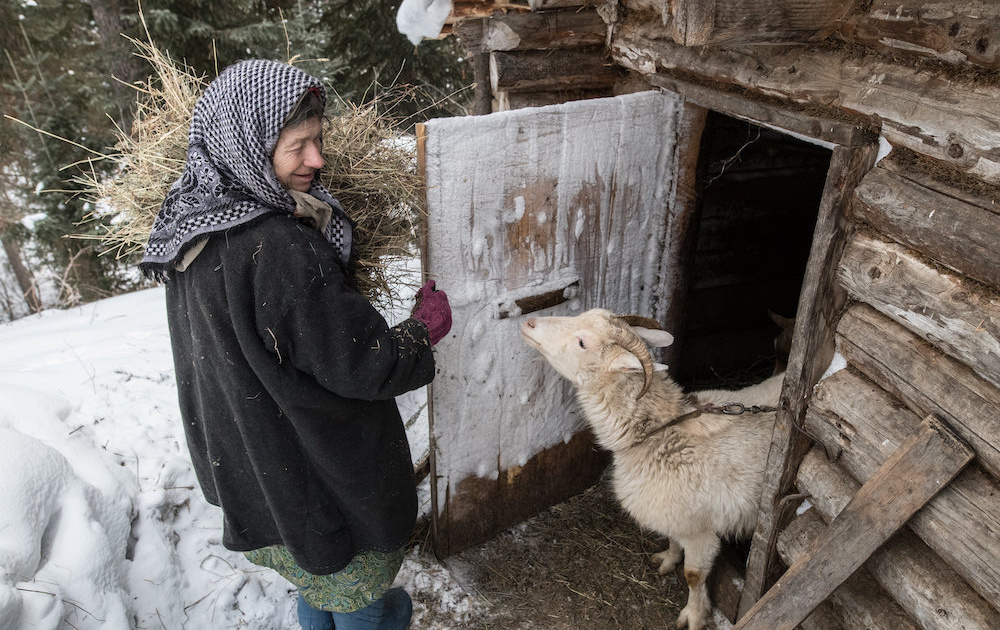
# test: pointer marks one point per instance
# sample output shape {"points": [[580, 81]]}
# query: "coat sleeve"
{"points": [[308, 314]]}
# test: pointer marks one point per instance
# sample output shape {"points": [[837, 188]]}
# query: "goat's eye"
{"points": [[582, 345]]}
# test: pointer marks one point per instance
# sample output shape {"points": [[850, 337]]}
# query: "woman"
{"points": [[286, 375]]}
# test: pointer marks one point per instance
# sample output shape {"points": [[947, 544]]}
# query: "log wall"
{"points": [[906, 278]]}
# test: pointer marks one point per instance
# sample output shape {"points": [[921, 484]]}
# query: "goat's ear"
{"points": [[660, 367], [654, 337], [624, 361]]}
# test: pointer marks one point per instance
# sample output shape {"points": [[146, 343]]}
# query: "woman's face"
{"points": [[299, 154]]}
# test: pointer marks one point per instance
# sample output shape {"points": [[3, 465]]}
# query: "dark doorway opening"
{"points": [[759, 195]]}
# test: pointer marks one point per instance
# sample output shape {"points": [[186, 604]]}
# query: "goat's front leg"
{"points": [[699, 554], [667, 560]]}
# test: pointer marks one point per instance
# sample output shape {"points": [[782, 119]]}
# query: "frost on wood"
{"points": [[549, 210]]}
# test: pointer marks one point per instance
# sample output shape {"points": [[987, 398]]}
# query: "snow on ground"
{"points": [[102, 523]]}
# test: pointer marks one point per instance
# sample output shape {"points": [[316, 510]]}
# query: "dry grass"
{"points": [[580, 565], [369, 170]]}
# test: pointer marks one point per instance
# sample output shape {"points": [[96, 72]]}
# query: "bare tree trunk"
{"points": [[21, 273], [122, 64]]}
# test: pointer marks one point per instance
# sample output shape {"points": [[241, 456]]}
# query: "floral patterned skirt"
{"points": [[363, 581]]}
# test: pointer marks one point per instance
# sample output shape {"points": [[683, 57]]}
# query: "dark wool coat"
{"points": [[286, 377]]}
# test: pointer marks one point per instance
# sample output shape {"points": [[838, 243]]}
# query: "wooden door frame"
{"points": [[854, 146]]}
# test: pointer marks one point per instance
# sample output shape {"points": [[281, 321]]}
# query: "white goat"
{"points": [[681, 468]]}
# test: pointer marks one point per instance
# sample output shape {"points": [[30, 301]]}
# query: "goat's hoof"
{"points": [[693, 621], [663, 562]]}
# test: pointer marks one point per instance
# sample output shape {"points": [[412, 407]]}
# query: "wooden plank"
{"points": [[961, 235], [910, 477], [858, 602], [955, 315], [533, 31], [534, 71], [964, 32], [717, 22], [820, 303], [925, 379], [962, 524], [834, 131], [923, 584], [950, 117]]}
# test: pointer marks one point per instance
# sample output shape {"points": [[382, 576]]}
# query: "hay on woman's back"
{"points": [[370, 172]]}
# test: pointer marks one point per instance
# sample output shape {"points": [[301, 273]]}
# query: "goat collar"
{"points": [[728, 409]]}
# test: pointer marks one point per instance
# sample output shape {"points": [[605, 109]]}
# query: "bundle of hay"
{"points": [[369, 170]]}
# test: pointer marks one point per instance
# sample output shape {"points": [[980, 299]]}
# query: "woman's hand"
{"points": [[433, 310]]}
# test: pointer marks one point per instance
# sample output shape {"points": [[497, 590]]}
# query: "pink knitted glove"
{"points": [[433, 310]]}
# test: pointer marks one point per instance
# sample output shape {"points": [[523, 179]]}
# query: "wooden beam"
{"points": [[506, 100], [959, 234], [682, 223], [862, 426], [919, 580], [957, 316], [534, 71], [963, 32], [820, 304], [834, 131], [533, 31], [949, 117], [715, 22], [858, 602], [925, 379], [482, 102], [917, 471]]}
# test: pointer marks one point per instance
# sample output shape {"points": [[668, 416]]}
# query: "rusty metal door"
{"points": [[548, 210]]}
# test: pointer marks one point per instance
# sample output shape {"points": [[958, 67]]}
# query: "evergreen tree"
{"points": [[65, 72], [55, 79], [368, 54]]}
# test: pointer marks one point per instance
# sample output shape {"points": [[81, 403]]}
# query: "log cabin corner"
{"points": [[860, 141]]}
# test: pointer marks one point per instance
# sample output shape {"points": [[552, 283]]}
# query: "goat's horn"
{"points": [[639, 320], [634, 344]]}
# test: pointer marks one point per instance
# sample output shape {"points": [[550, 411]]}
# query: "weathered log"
{"points": [[958, 234], [953, 32], [533, 31], [862, 426], [820, 303], [834, 131], [950, 118], [923, 584], [952, 313], [506, 100], [858, 602], [682, 219], [923, 378], [535, 71], [473, 9], [941, 178], [482, 102], [922, 465], [701, 22], [541, 5]]}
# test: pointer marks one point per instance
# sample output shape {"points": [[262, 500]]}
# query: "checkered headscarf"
{"points": [[228, 178]]}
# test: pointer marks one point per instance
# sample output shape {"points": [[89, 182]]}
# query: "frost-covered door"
{"points": [[540, 211]]}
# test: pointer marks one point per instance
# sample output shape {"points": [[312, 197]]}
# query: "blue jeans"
{"points": [[391, 612]]}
